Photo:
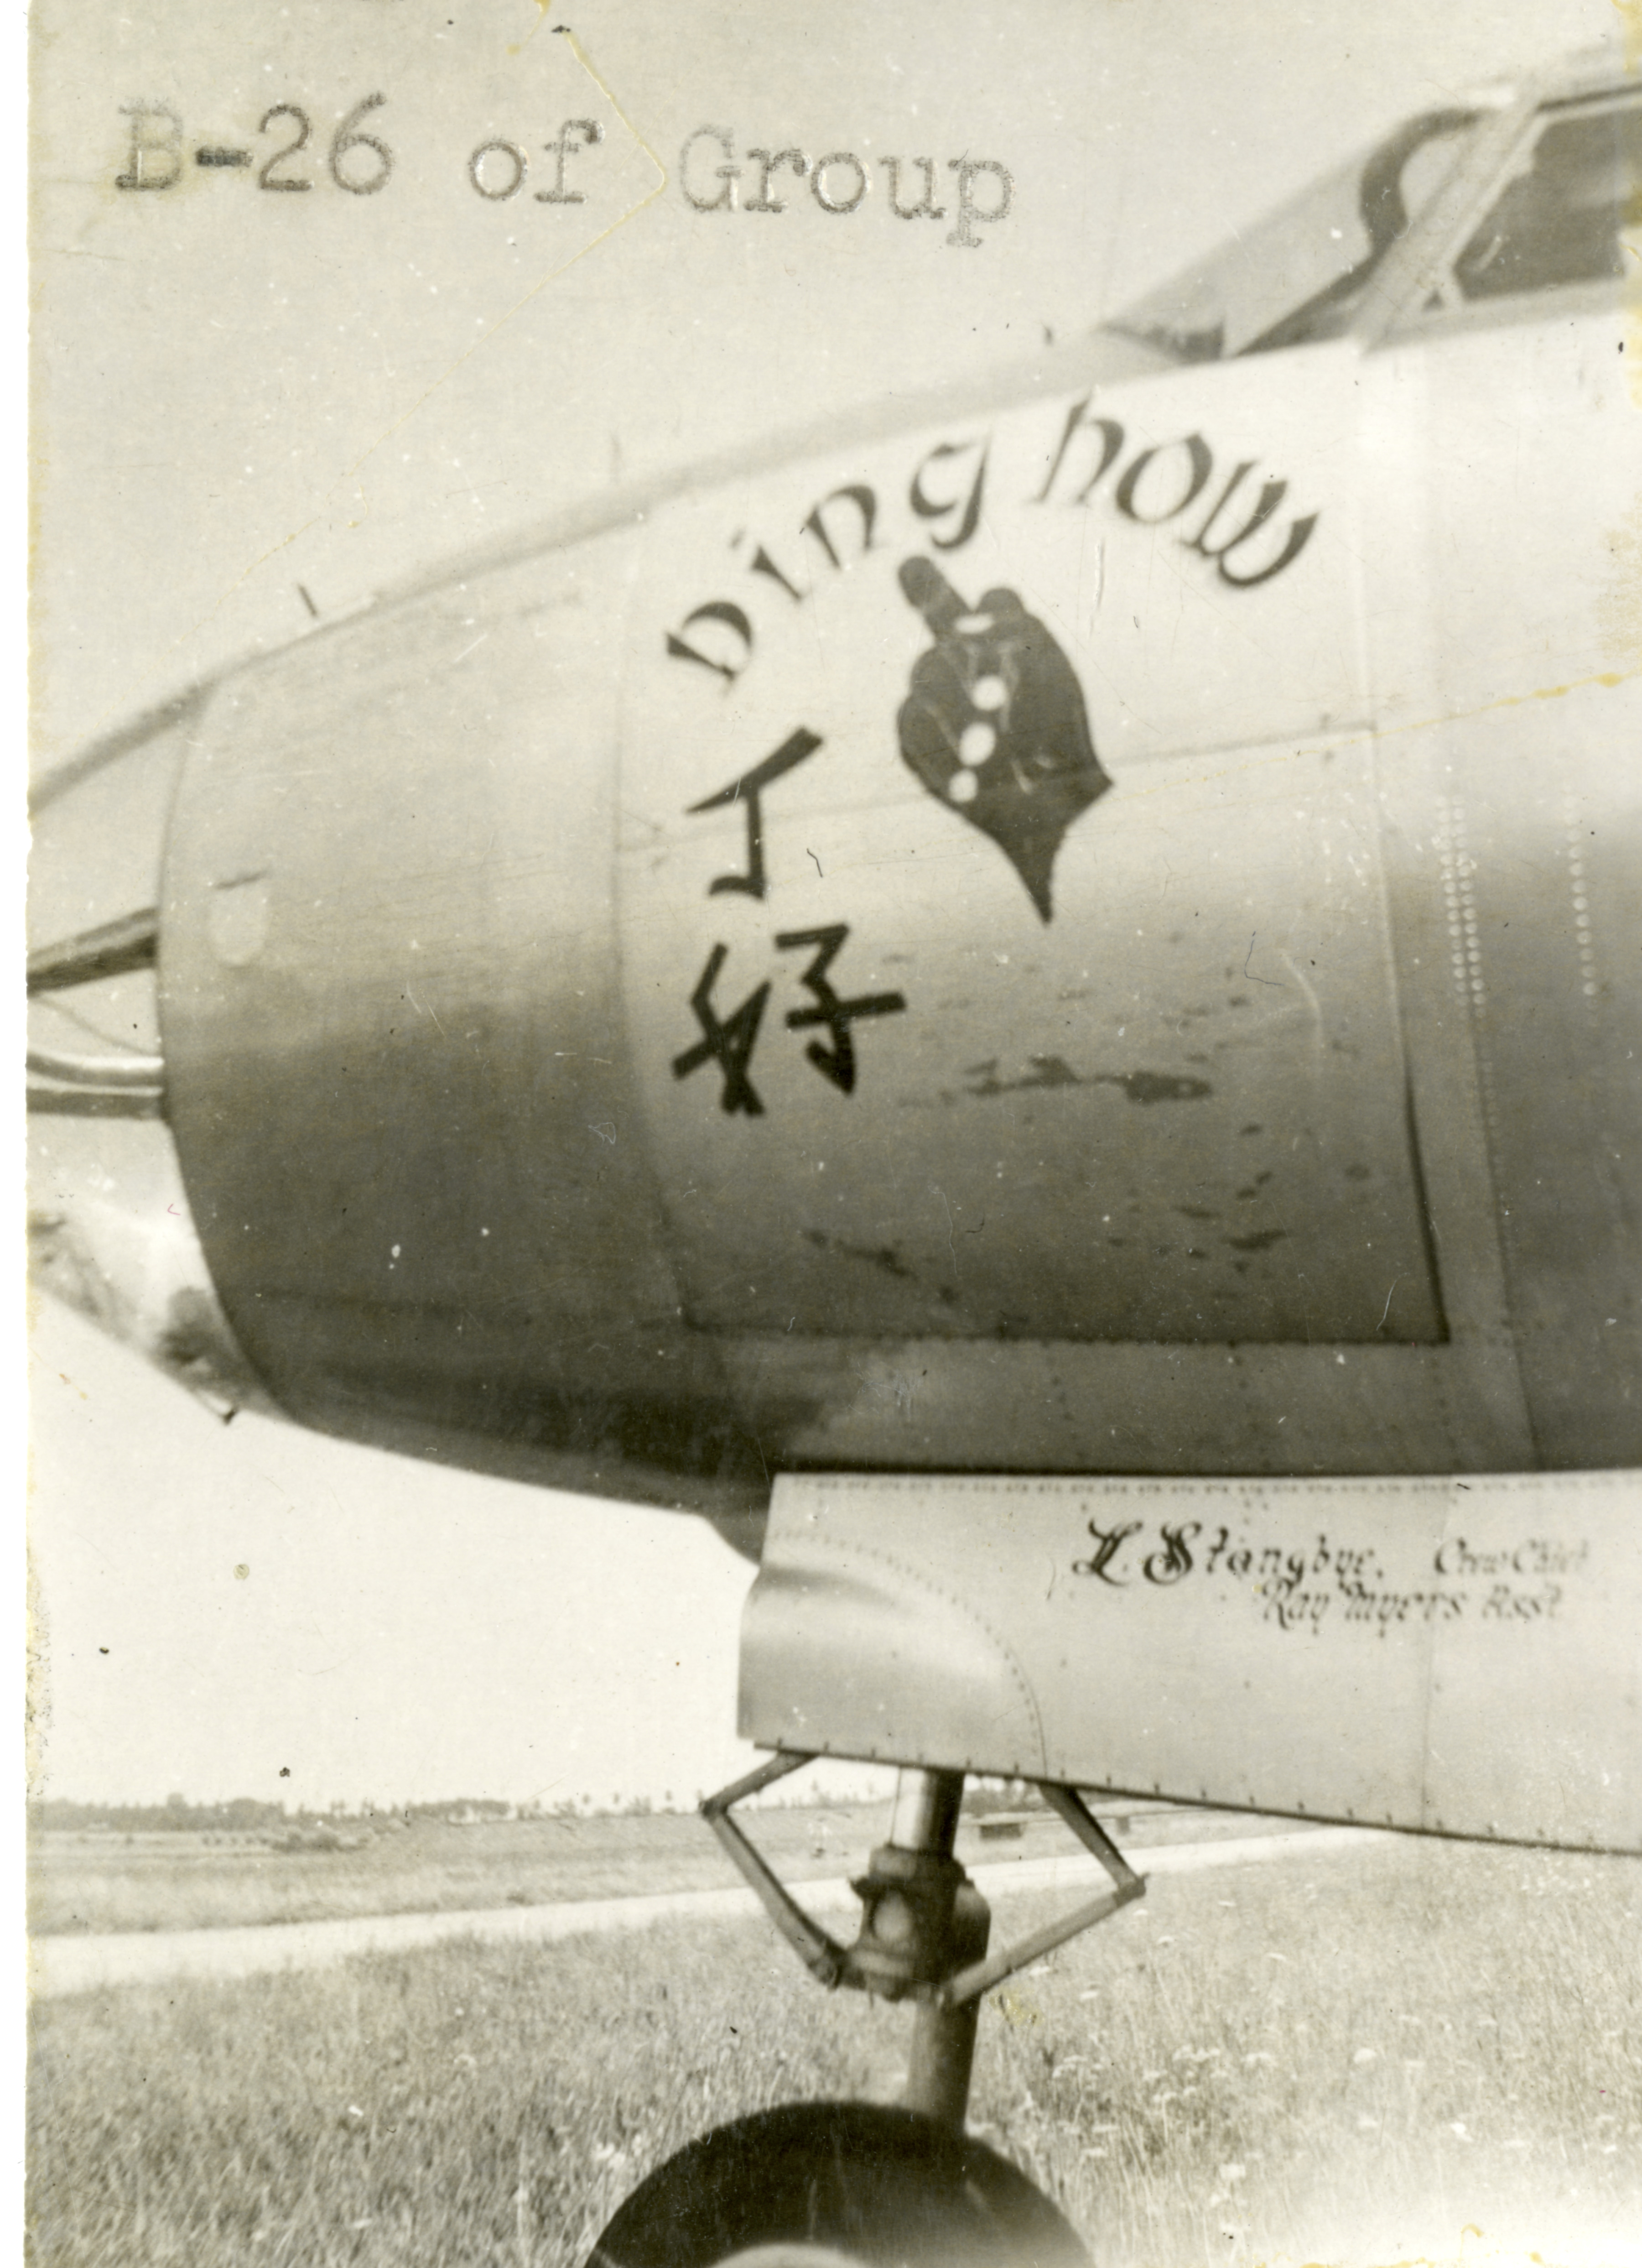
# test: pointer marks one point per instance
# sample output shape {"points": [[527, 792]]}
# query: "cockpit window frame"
{"points": [[1420, 270], [1398, 297], [1315, 319]]}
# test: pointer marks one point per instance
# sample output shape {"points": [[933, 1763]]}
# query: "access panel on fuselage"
{"points": [[1454, 1656], [1004, 944]]}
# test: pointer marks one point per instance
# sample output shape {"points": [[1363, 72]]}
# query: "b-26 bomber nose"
{"points": [[110, 1228]]}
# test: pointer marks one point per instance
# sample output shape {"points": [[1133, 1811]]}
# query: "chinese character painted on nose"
{"points": [[837, 1062], [728, 1042]]}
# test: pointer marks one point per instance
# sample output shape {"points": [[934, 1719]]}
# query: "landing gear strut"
{"points": [[828, 2185]]}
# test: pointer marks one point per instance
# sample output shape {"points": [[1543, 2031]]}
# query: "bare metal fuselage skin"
{"points": [[1296, 1139], [1084, 927]]}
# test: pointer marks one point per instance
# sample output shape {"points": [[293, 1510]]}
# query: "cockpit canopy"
{"points": [[1557, 216]]}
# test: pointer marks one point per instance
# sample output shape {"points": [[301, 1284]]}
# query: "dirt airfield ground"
{"points": [[1366, 2053]]}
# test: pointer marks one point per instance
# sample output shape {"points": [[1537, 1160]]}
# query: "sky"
{"points": [[251, 408], [222, 1605]]}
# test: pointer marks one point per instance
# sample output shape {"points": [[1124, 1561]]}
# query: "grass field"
{"points": [[96, 1883], [1346, 2056], [179, 1881]]}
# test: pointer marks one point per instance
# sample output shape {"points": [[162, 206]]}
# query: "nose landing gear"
{"points": [[855, 2185]]}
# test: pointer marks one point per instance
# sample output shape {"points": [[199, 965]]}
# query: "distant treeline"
{"points": [[247, 1815]]}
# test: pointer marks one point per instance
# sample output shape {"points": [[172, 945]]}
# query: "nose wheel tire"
{"points": [[837, 2185]]}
